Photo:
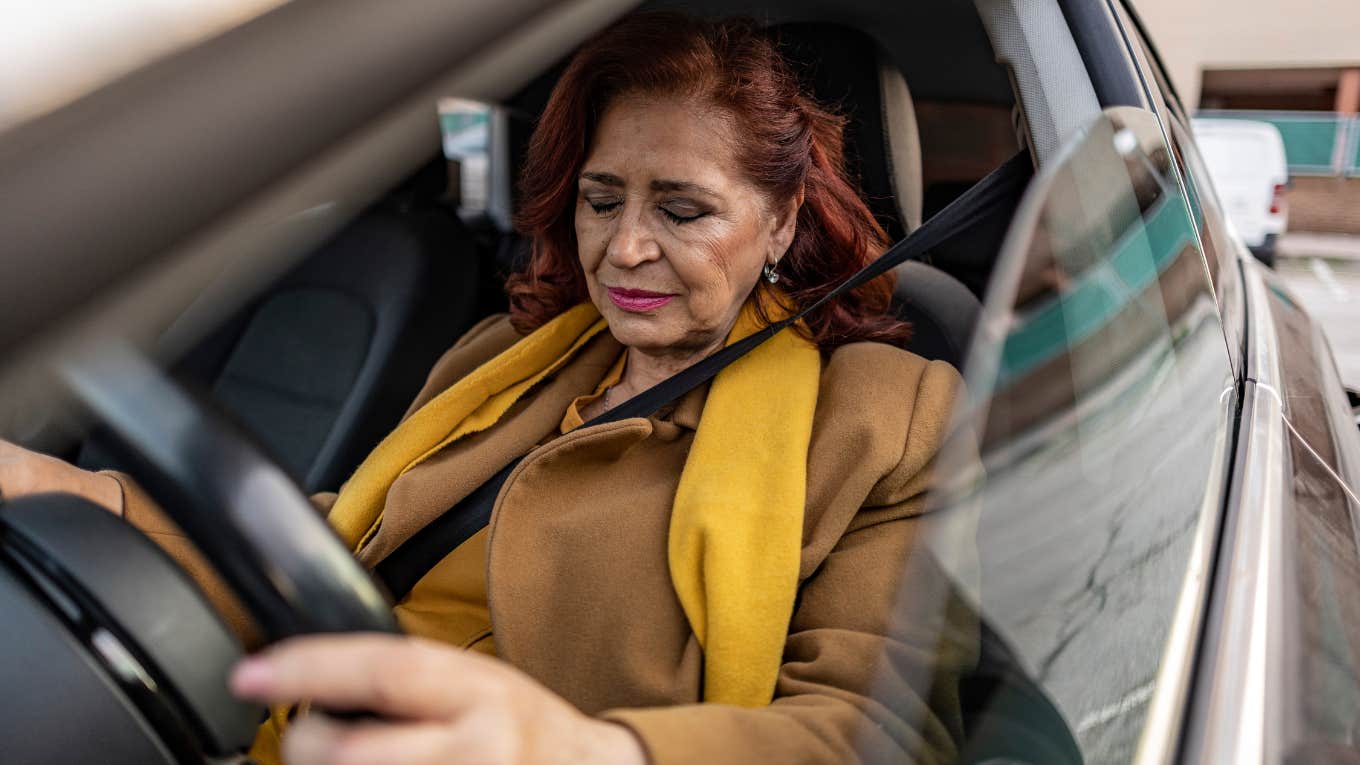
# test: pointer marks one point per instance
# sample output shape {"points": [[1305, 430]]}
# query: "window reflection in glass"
{"points": [[1096, 388]]}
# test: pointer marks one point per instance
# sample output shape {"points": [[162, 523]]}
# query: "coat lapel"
{"points": [[577, 583], [428, 490]]}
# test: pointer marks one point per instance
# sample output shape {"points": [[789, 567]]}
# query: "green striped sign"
{"points": [[1353, 167]]}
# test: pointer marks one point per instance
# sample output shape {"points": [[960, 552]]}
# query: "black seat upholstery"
{"points": [[841, 68], [332, 356], [320, 367], [942, 312], [305, 372], [847, 69]]}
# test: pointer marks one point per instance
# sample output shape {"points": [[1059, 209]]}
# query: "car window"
{"points": [[1205, 206], [1099, 390]]}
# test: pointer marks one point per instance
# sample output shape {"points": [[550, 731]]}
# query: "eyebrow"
{"points": [[661, 184], [608, 179]]}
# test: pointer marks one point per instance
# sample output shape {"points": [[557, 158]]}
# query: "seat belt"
{"points": [[406, 565]]}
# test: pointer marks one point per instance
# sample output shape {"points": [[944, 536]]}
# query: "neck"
{"points": [[644, 370]]}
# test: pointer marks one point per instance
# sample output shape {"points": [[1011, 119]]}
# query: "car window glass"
{"points": [[1204, 203], [1098, 389], [1220, 250]]}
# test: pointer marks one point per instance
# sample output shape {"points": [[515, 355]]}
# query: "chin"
{"points": [[642, 331]]}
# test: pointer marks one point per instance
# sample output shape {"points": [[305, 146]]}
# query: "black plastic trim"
{"points": [[1151, 49], [1097, 37], [83, 618], [96, 572]]}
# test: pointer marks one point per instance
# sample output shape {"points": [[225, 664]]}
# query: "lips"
{"points": [[638, 301]]}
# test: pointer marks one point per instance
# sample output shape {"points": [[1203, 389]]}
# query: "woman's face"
{"points": [[671, 237]]}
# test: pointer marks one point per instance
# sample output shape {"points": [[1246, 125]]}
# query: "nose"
{"points": [[631, 243]]}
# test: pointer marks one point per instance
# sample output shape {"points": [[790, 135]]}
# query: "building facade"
{"points": [[1296, 65]]}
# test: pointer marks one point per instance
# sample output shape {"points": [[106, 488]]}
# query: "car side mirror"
{"points": [[1354, 397]]}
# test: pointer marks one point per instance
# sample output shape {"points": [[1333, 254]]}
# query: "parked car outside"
{"points": [[1247, 162]]}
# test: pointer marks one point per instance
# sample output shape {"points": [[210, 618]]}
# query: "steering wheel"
{"points": [[100, 624], [250, 520]]}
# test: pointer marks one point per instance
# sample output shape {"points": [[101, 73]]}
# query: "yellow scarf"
{"points": [[736, 525]]}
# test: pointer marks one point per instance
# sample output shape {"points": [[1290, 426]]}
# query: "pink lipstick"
{"points": [[638, 301]]}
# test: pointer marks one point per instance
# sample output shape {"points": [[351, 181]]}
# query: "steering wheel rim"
{"points": [[247, 517]]}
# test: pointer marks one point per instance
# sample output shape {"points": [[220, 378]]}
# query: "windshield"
{"points": [[53, 52], [1097, 386]]}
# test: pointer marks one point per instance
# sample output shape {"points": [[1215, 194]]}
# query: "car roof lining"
{"points": [[925, 36]]}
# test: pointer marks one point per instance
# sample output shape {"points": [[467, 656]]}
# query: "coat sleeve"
{"points": [[878, 641], [140, 510]]}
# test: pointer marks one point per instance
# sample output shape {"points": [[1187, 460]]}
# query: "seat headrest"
{"points": [[903, 141], [846, 69]]}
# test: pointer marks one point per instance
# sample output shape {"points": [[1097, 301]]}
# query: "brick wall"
{"points": [[1325, 205]]}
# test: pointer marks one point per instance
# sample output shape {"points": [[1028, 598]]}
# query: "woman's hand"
{"points": [[23, 472], [439, 704]]}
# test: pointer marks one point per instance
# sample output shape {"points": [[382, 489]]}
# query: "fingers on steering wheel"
{"points": [[393, 676], [316, 739]]}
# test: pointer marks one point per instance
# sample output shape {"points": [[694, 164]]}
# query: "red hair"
{"points": [[787, 143]]}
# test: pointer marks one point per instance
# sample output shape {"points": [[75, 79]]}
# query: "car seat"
{"points": [[847, 69], [320, 367]]}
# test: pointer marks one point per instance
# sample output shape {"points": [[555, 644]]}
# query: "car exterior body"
{"points": [[1247, 161], [1164, 533]]}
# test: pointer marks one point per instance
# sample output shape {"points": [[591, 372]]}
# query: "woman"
{"points": [[718, 582]]}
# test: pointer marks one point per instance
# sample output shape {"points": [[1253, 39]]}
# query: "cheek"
{"points": [[590, 243], [715, 267]]}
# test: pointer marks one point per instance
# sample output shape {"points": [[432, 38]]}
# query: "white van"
{"points": [[1247, 162]]}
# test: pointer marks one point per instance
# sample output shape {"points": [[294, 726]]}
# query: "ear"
{"points": [[785, 225]]}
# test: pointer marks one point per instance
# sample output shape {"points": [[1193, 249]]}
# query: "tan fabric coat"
{"points": [[580, 595]]}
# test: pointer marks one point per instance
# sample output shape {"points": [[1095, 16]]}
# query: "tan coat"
{"points": [[579, 590]]}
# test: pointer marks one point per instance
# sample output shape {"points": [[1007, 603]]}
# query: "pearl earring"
{"points": [[769, 273]]}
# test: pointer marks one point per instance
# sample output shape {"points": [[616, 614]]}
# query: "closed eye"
{"points": [[601, 208], [680, 219]]}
